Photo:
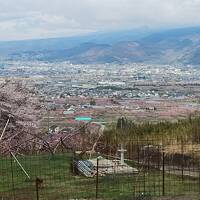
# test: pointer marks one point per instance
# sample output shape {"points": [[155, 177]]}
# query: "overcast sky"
{"points": [[23, 19]]}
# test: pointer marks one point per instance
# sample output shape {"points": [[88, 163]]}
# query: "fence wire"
{"points": [[149, 168]]}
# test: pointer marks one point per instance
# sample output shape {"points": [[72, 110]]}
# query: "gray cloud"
{"points": [[23, 19]]}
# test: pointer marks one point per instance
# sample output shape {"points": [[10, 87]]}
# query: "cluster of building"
{"points": [[62, 79], [105, 91]]}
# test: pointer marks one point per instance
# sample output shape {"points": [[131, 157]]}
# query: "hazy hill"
{"points": [[53, 44], [169, 46]]}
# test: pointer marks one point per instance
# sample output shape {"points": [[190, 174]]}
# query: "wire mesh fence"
{"points": [[138, 169]]}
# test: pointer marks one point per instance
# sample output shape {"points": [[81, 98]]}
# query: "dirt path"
{"points": [[184, 197], [179, 171]]}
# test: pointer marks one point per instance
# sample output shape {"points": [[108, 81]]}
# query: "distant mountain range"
{"points": [[165, 47]]}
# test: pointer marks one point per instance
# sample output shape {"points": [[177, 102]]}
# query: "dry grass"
{"points": [[185, 149]]}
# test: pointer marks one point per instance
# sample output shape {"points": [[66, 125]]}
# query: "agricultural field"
{"points": [[63, 111]]}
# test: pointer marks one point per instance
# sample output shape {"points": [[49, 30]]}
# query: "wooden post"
{"points": [[37, 182]]}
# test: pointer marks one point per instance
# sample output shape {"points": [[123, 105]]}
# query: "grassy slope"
{"points": [[59, 183]]}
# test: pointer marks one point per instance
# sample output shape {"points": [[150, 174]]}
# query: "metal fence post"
{"points": [[97, 179], [199, 178], [12, 176], [182, 162], [163, 173], [145, 182], [148, 158], [134, 186], [138, 151]]}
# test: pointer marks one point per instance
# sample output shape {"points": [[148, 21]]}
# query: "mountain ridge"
{"points": [[170, 46]]}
